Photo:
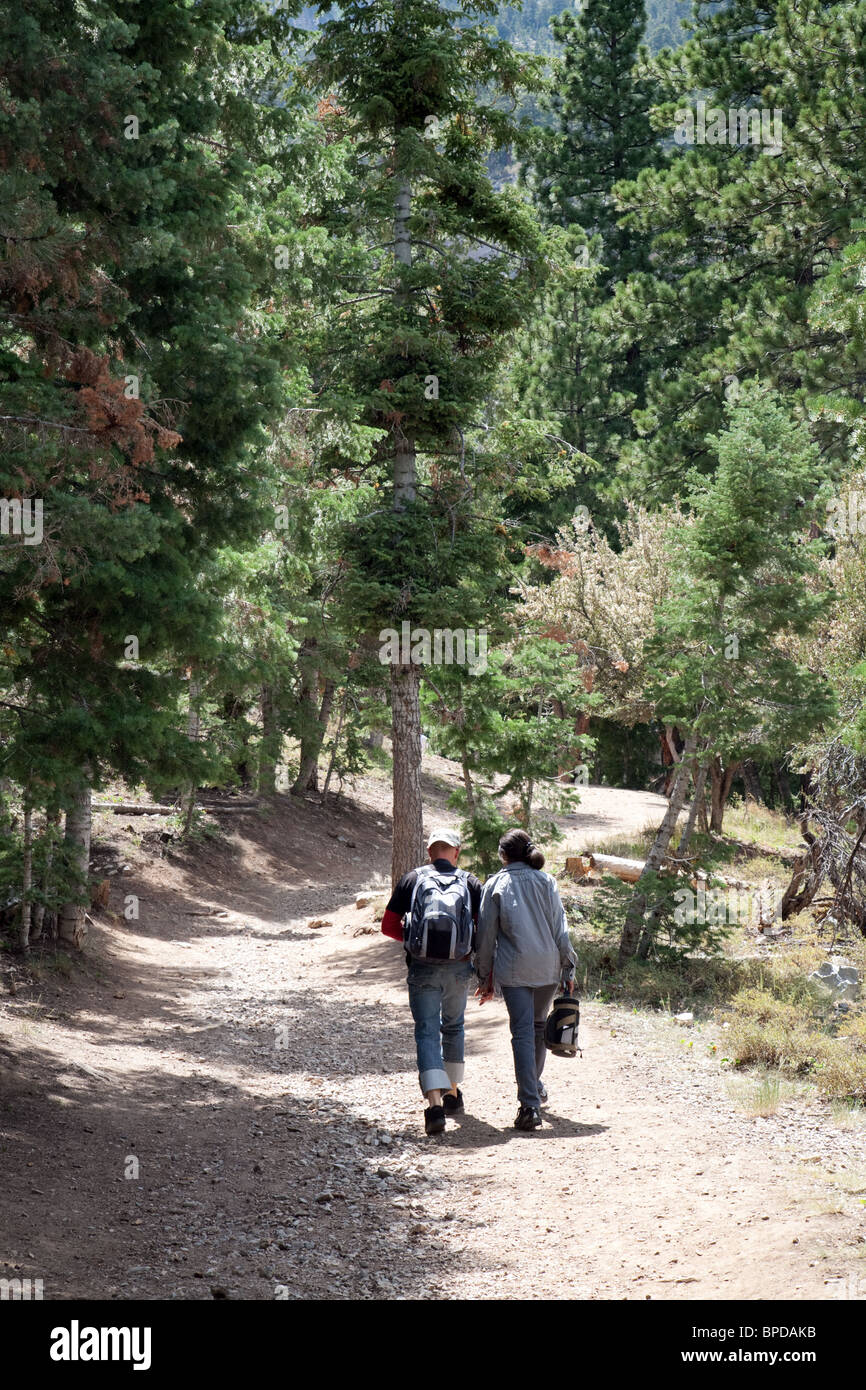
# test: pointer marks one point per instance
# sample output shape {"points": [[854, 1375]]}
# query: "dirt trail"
{"points": [[227, 1106]]}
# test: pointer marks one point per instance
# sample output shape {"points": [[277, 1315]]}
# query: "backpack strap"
{"points": [[420, 874]]}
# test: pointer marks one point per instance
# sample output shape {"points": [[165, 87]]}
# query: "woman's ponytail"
{"points": [[518, 848]]}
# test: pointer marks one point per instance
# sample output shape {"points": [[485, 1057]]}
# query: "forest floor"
{"points": [[219, 1100]]}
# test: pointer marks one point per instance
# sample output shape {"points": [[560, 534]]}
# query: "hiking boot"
{"points": [[527, 1118], [434, 1120], [542, 1093], [453, 1105]]}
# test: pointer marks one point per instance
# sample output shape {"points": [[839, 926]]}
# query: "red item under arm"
{"points": [[392, 925]]}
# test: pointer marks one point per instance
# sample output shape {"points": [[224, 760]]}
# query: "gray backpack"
{"points": [[439, 922]]}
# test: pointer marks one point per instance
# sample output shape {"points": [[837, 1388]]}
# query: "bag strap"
{"points": [[420, 875]]}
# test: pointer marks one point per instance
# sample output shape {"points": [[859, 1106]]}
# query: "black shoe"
{"points": [[527, 1118], [542, 1093], [434, 1120], [453, 1105]]}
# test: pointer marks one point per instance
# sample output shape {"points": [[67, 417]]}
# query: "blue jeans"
{"points": [[528, 1008], [437, 998]]}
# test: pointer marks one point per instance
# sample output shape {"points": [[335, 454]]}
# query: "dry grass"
{"points": [[799, 1039], [758, 1098], [628, 847], [847, 1114], [758, 825]]}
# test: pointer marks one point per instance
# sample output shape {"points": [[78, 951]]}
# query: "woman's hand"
{"points": [[484, 992]]}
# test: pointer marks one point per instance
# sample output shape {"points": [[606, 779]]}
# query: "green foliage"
{"points": [[512, 726], [573, 369], [55, 878], [718, 663], [136, 387], [624, 756], [673, 936], [483, 824], [740, 236]]}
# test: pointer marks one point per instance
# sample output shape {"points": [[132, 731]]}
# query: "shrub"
{"points": [[772, 1032]]}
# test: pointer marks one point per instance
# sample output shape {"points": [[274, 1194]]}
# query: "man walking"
{"points": [[433, 911]]}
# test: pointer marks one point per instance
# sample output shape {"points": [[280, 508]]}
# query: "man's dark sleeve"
{"points": [[401, 899], [475, 891], [398, 905]]}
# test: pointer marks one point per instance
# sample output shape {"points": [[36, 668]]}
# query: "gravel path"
{"points": [[261, 1073]]}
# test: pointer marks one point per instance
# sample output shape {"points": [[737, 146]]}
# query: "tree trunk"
{"points": [[71, 926], [720, 789], [697, 801], [782, 783], [326, 706], [5, 811], [233, 712], [526, 804], [807, 876], [634, 917], [408, 846], [307, 779], [467, 783], [651, 922], [566, 765], [51, 821], [333, 758], [670, 756], [752, 782], [27, 877], [193, 730], [405, 477], [269, 748], [312, 733], [408, 817]]}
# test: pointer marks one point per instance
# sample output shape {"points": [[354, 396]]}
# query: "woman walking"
{"points": [[523, 947]]}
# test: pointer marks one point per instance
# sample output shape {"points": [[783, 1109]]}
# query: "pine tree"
{"points": [[718, 666], [741, 233], [445, 277], [134, 385], [602, 131], [574, 368]]}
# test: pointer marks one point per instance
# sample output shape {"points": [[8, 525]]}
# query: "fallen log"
{"points": [[630, 870]]}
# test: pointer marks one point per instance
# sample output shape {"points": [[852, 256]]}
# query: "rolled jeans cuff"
{"points": [[435, 1079], [455, 1072]]}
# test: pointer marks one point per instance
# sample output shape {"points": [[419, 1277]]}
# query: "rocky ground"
{"points": [[220, 1101]]}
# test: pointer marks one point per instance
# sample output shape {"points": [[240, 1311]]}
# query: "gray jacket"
{"points": [[522, 929]]}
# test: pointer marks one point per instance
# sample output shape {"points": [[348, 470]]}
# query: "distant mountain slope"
{"points": [[529, 28]]}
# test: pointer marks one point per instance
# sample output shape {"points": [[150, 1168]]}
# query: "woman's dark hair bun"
{"points": [[519, 849]]}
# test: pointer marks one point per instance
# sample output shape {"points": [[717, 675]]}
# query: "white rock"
{"points": [[838, 977]]}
